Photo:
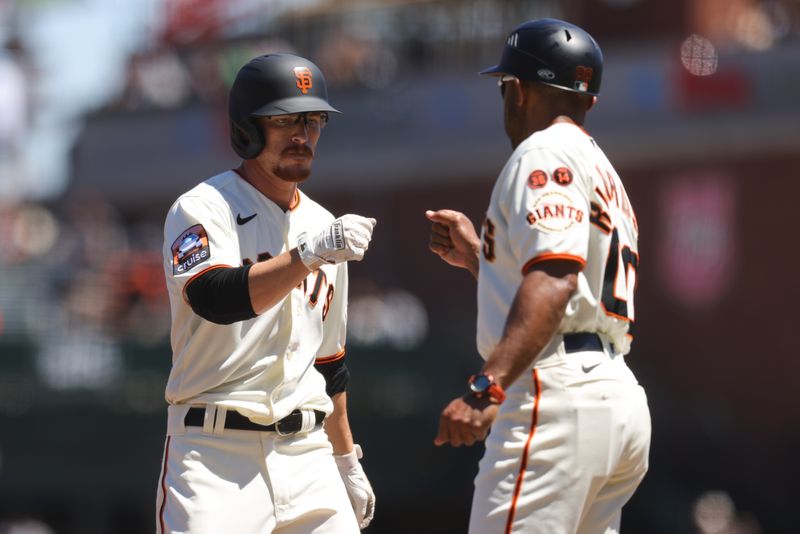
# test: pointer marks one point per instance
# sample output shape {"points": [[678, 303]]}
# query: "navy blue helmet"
{"points": [[552, 52]]}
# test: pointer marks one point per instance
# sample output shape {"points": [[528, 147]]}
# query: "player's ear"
{"points": [[592, 102], [239, 135], [518, 92]]}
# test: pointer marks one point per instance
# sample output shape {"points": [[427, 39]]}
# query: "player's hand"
{"points": [[359, 490], [347, 238], [466, 420], [453, 238]]}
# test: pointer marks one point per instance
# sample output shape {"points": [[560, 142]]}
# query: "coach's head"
{"points": [[549, 68]]}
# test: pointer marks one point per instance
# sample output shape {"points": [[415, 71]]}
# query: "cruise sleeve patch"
{"points": [[190, 249]]}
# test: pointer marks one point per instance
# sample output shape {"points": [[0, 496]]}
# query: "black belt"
{"points": [[290, 424], [582, 341]]}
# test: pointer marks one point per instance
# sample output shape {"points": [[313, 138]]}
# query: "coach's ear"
{"points": [[592, 102]]}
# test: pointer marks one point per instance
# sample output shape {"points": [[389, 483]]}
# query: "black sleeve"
{"points": [[221, 295], [336, 376]]}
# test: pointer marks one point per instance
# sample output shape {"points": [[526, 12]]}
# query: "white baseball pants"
{"points": [[569, 447], [249, 482]]}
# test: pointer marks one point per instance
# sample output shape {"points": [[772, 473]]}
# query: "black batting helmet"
{"points": [[552, 52], [273, 84]]}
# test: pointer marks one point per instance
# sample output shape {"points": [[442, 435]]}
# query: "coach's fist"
{"points": [[347, 238], [454, 239]]}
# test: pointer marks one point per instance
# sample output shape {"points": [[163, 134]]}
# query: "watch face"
{"points": [[480, 384]]}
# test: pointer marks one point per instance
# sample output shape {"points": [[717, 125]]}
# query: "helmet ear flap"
{"points": [[247, 139]]}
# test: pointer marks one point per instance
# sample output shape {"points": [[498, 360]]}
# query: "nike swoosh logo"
{"points": [[240, 220], [589, 368]]}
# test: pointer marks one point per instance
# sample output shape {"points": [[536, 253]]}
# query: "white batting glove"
{"points": [[347, 238], [359, 490]]}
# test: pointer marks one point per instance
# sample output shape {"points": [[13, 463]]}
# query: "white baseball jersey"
{"points": [[558, 197], [262, 367], [588, 425]]}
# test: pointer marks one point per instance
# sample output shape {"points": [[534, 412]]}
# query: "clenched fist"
{"points": [[347, 238], [453, 238]]}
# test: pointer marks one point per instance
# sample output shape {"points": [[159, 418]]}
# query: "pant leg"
{"points": [[211, 484], [558, 441], [526, 479], [602, 513], [310, 496]]}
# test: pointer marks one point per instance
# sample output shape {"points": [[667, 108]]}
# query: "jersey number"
{"points": [[313, 297], [619, 280]]}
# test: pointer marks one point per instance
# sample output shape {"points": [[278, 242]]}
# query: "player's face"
{"points": [[290, 141]]}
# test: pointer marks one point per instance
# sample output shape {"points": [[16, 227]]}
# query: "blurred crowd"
{"points": [[356, 44], [76, 282], [15, 114]]}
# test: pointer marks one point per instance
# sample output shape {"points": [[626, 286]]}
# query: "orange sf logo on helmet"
{"points": [[303, 75]]}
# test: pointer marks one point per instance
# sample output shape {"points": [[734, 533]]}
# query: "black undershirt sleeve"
{"points": [[221, 295], [336, 376]]}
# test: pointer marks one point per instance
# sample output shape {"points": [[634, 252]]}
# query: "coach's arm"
{"points": [[535, 315]]}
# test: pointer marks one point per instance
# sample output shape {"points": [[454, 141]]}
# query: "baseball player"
{"points": [[556, 269], [258, 438]]}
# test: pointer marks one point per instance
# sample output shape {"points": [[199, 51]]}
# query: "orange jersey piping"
{"points": [[332, 358], [162, 530], [295, 200], [552, 257], [537, 392]]}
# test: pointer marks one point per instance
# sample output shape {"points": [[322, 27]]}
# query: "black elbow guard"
{"points": [[221, 295], [336, 376]]}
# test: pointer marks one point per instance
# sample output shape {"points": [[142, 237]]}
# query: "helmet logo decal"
{"points": [[304, 82], [583, 76], [546, 74], [512, 39]]}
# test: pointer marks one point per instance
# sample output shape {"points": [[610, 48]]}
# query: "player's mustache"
{"points": [[299, 151]]}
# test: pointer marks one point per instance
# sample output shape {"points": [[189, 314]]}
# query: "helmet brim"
{"points": [[492, 71], [295, 104]]}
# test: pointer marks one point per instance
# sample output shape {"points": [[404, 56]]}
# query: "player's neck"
{"points": [[564, 119], [281, 192], [539, 123]]}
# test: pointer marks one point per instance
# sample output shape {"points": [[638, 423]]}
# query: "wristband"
{"points": [[311, 260]]}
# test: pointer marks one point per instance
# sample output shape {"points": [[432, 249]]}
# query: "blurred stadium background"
{"points": [[110, 108]]}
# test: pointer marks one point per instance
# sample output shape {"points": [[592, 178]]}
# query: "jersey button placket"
{"points": [[296, 297]]}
